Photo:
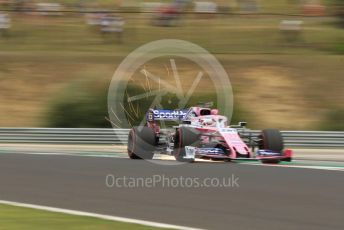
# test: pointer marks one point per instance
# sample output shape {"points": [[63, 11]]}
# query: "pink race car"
{"points": [[202, 133]]}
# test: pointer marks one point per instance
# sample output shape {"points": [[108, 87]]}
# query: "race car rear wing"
{"points": [[166, 115]]}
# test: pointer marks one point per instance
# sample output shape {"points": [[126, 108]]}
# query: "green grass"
{"points": [[43, 55], [239, 34], [265, 6], [17, 218]]}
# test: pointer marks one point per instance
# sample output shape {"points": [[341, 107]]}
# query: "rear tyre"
{"points": [[141, 143], [185, 136], [271, 139]]}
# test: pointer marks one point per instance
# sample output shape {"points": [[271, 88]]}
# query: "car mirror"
{"points": [[242, 123]]}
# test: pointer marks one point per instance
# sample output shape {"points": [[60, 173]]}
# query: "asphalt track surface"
{"points": [[267, 197]]}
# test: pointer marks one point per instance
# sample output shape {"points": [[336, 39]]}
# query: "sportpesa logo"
{"points": [[214, 151], [169, 114]]}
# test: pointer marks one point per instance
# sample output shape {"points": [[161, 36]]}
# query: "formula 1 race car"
{"points": [[202, 133]]}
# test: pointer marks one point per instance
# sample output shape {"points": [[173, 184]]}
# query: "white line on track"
{"points": [[331, 168], [171, 158], [99, 216]]}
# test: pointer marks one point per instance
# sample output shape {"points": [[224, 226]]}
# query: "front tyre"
{"points": [[271, 139], [185, 136], [141, 143]]}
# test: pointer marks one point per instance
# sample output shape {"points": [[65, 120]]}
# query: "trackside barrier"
{"points": [[309, 139]]}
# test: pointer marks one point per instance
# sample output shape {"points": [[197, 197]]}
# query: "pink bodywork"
{"points": [[231, 138], [219, 129]]}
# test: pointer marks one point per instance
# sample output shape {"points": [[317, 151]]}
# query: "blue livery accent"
{"points": [[210, 151], [265, 152], [166, 115]]}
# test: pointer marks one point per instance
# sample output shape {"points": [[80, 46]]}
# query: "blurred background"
{"points": [[285, 58]]}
